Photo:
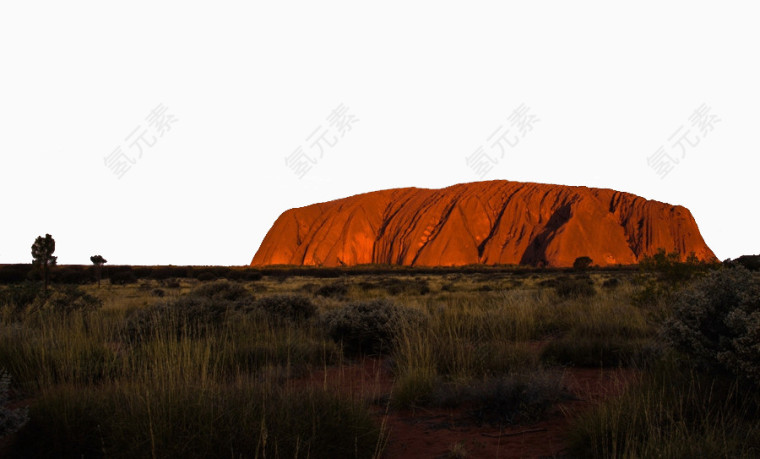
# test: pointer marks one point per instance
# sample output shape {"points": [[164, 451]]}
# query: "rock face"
{"points": [[494, 222]]}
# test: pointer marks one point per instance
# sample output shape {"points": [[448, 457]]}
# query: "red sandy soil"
{"points": [[431, 433]]}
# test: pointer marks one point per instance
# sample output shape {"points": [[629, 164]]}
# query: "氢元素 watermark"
{"points": [[683, 139], [308, 154], [144, 136], [506, 136]]}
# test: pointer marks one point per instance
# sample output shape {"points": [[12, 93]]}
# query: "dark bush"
{"points": [[367, 286], [223, 290], [751, 262], [172, 283], [337, 290], [11, 274], [575, 287], [18, 297], [582, 262], [716, 321], [309, 288], [186, 316], [611, 283], [370, 327], [204, 308], [287, 307], [145, 286], [167, 272], [25, 299], [396, 286], [206, 276], [73, 275], [250, 275], [597, 351], [448, 287], [552, 282], [505, 400], [66, 299], [121, 275]]}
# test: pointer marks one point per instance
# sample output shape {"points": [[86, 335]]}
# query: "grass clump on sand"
{"points": [[672, 411], [244, 419]]}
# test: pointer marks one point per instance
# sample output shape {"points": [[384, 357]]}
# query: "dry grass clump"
{"points": [[672, 412]]}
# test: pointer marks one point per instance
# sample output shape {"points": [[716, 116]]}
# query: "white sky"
{"points": [[428, 82]]}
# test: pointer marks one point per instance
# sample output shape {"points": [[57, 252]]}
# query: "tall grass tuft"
{"points": [[672, 412]]}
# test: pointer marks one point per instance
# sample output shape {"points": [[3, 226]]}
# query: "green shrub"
{"points": [[288, 307], [717, 322], [370, 327]]}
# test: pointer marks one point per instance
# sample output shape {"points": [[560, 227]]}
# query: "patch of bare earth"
{"points": [[433, 433]]}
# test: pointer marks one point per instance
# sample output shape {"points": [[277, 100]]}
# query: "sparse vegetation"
{"points": [[246, 368]]}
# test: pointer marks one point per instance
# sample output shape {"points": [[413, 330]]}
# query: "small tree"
{"points": [[42, 254], [582, 262], [98, 261]]}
